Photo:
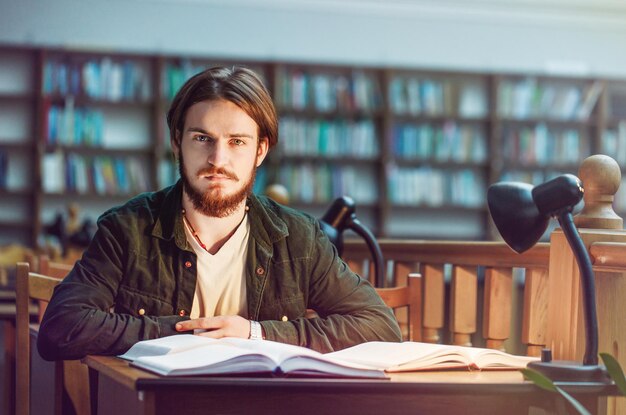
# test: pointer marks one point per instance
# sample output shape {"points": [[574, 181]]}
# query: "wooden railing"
{"points": [[461, 268]]}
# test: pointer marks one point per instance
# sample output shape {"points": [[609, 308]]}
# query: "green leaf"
{"points": [[539, 380], [544, 383], [615, 371]]}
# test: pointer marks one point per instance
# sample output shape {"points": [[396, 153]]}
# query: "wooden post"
{"points": [[597, 222]]}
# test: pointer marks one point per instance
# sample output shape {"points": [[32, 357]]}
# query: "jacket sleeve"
{"points": [[79, 321], [350, 311]]}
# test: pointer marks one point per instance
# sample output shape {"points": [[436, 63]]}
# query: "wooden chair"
{"points": [[70, 385], [52, 269], [408, 296], [28, 286]]}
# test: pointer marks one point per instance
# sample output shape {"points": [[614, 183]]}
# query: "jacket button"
{"points": [[181, 313], [188, 264], [141, 312], [260, 271], [284, 318]]}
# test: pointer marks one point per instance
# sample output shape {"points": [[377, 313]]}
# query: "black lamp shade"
{"points": [[338, 218], [521, 212], [515, 214]]}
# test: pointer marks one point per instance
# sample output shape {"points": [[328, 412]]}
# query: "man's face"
{"points": [[218, 156]]}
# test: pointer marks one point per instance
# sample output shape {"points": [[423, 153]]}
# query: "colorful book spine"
{"points": [[354, 92], [542, 145], [328, 138], [321, 183], [427, 186], [98, 79]]}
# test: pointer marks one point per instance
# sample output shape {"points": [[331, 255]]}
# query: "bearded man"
{"points": [[206, 255]]}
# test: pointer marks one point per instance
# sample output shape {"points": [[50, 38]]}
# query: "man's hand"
{"points": [[217, 327]]}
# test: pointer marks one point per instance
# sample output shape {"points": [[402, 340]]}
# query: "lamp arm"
{"points": [[373, 246], [588, 286]]}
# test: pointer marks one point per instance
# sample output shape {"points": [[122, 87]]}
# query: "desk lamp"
{"points": [[341, 216], [521, 213]]}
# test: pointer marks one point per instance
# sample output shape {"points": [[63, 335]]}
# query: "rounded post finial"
{"points": [[278, 193], [601, 177]]}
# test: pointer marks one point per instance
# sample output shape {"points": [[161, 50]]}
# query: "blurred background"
{"points": [[411, 107]]}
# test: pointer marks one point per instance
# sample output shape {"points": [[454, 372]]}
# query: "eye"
{"points": [[202, 138], [237, 141]]}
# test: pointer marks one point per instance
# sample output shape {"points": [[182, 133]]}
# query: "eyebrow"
{"points": [[233, 135]]}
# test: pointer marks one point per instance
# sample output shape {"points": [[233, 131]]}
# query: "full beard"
{"points": [[208, 203]]}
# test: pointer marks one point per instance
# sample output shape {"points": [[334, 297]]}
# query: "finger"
{"points": [[198, 323], [213, 334]]}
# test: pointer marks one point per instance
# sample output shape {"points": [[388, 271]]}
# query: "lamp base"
{"points": [[569, 371]]}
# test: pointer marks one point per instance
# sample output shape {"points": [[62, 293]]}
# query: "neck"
{"points": [[212, 232]]}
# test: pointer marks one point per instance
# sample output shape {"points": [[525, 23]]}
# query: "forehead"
{"points": [[219, 116]]}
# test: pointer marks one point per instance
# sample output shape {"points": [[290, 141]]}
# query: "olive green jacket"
{"points": [[137, 279]]}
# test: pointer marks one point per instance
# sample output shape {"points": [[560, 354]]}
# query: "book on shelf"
{"points": [[416, 356], [186, 354], [590, 100]]}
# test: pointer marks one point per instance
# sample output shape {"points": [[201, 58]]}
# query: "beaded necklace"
{"points": [[193, 232]]}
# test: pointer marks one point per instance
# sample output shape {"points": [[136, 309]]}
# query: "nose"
{"points": [[218, 155]]}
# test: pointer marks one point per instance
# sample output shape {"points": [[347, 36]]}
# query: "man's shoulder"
{"points": [[142, 205], [291, 216]]}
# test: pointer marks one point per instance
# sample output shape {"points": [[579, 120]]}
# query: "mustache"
{"points": [[217, 170]]}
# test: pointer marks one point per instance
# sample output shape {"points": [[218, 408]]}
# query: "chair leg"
{"points": [[93, 391]]}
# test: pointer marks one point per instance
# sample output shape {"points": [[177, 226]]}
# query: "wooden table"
{"points": [[123, 389]]}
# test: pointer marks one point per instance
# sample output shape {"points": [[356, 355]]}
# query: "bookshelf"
{"points": [[19, 171], [546, 126], [331, 138], [97, 139], [438, 152], [415, 148], [613, 134]]}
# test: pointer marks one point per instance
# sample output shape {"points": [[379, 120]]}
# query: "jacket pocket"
{"points": [[283, 309], [137, 303]]}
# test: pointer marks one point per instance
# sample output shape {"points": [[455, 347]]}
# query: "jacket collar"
{"points": [[169, 219], [266, 227]]}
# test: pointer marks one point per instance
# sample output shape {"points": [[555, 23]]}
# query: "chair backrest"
{"points": [[408, 296], [51, 269], [28, 286]]}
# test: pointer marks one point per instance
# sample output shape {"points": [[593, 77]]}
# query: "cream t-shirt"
{"points": [[221, 281]]}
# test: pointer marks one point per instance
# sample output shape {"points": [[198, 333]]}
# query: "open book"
{"points": [[187, 354], [414, 356]]}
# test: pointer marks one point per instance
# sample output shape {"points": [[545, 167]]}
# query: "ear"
{"points": [[175, 144], [262, 149]]}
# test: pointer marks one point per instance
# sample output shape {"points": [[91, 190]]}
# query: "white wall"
{"points": [[556, 36]]}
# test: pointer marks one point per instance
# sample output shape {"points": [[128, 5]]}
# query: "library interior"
{"points": [[412, 109]]}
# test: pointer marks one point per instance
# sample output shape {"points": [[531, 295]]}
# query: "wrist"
{"points": [[256, 331]]}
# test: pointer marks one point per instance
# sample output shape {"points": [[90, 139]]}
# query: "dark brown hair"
{"points": [[241, 86]]}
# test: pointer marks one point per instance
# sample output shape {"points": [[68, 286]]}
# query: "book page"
{"points": [[296, 360], [414, 356], [407, 355], [275, 350], [209, 359], [165, 345], [496, 359]]}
